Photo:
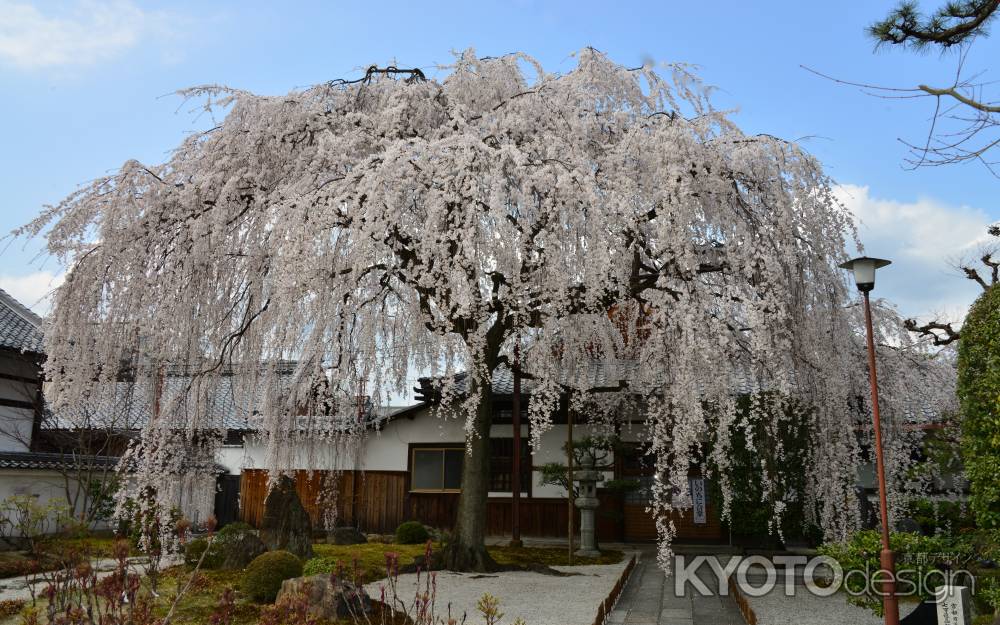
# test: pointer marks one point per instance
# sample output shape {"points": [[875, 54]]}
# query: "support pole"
{"points": [[889, 600], [569, 473], [515, 500]]}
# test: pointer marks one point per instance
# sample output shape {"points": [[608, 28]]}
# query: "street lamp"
{"points": [[864, 275]]}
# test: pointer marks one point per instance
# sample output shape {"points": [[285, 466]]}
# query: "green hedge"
{"points": [[262, 579], [979, 395]]}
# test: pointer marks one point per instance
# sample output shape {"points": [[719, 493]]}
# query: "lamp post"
{"points": [[864, 275]]}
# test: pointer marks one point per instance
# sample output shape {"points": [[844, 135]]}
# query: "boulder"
{"points": [[286, 525], [346, 536], [240, 549], [327, 599]]}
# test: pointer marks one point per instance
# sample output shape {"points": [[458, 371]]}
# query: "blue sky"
{"points": [[86, 85]]}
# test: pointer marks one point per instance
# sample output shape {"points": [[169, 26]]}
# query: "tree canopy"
{"points": [[979, 391], [365, 229]]}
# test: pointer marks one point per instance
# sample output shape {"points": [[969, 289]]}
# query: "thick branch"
{"points": [[940, 333], [952, 92]]}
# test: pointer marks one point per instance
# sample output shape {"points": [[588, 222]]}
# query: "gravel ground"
{"points": [[536, 598], [804, 608], [14, 588]]}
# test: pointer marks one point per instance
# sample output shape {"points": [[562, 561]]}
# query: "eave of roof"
{"points": [[20, 329], [28, 460]]}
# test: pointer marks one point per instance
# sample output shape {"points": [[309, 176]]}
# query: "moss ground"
{"points": [[369, 560]]}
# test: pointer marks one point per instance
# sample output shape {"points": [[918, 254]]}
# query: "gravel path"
{"points": [[538, 599], [17, 587], [804, 608]]}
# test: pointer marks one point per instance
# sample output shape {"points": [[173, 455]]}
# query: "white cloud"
{"points": [[82, 33], [925, 240], [32, 289]]}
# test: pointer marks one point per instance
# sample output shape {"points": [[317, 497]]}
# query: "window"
{"points": [[437, 469], [502, 465]]}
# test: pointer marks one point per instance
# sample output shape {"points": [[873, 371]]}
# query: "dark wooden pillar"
{"points": [[515, 499]]}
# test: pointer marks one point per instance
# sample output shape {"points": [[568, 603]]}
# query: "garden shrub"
{"points": [[236, 527], [194, 550], [411, 533], [225, 544], [11, 607], [941, 517], [262, 579], [322, 564], [979, 396], [916, 557]]}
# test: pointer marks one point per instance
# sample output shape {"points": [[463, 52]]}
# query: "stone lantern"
{"points": [[587, 502]]}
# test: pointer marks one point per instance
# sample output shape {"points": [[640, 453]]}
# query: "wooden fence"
{"points": [[378, 501], [606, 606], [372, 501]]}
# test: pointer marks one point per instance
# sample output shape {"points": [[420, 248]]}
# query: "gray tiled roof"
{"points": [[52, 461], [594, 375], [43, 461], [20, 329], [129, 406]]}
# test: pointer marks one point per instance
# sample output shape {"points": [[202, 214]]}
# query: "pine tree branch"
{"points": [[951, 25]]}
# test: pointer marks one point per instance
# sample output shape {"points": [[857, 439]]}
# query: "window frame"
{"points": [[441, 447]]}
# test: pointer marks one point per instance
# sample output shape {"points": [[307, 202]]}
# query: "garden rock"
{"points": [[346, 536], [286, 524], [326, 598]]}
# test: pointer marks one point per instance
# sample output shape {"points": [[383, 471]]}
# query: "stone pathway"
{"points": [[649, 599]]}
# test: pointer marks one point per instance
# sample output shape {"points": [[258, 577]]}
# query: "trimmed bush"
{"points": [[237, 527], [979, 395], [411, 533], [233, 547], [322, 564], [262, 579], [196, 547]]}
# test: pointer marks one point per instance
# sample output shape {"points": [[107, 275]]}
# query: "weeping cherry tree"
{"points": [[361, 230]]}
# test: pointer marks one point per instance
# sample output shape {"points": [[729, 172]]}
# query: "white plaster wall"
{"points": [[45, 486], [233, 457], [15, 423], [387, 449]]}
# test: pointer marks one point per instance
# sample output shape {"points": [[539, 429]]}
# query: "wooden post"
{"points": [[515, 501], [569, 473]]}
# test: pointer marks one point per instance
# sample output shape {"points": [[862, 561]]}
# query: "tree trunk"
{"points": [[467, 550]]}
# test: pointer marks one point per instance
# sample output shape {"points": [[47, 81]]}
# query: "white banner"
{"points": [[698, 501]]}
